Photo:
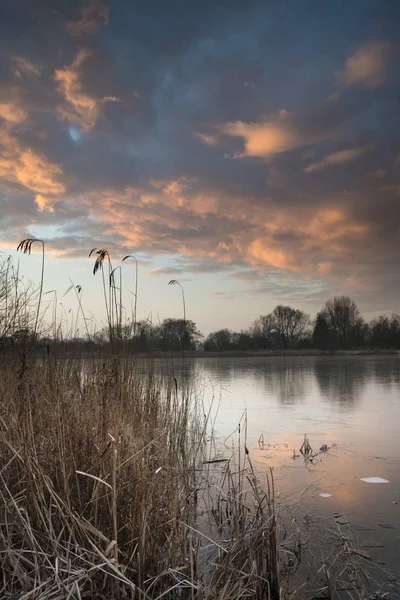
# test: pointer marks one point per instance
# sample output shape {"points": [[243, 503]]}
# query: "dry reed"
{"points": [[102, 479]]}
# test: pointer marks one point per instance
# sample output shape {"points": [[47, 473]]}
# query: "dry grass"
{"points": [[103, 488]]}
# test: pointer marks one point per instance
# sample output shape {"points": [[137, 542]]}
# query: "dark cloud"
{"points": [[246, 139]]}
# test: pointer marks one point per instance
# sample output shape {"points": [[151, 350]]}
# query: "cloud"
{"points": [[143, 182], [264, 139], [338, 158], [368, 66], [80, 108], [167, 219], [325, 268], [293, 242], [93, 13], [165, 272], [210, 139], [38, 174], [261, 251], [12, 113], [283, 131], [23, 66], [13, 109], [32, 171], [44, 203]]}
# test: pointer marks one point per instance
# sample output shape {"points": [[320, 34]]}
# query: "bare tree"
{"points": [[344, 320], [292, 325], [261, 331]]}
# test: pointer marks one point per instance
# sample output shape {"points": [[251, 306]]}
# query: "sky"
{"points": [[250, 150]]}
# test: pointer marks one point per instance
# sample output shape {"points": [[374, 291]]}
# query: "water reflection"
{"points": [[342, 381], [289, 381], [350, 403], [387, 371], [286, 380]]}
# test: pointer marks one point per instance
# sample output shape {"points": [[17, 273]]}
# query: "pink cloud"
{"points": [[368, 65]]}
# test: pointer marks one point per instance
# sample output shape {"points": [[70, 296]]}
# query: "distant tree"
{"points": [[291, 325], [321, 333], [143, 335], [261, 331], [346, 326], [384, 332], [242, 341], [219, 341], [395, 330], [177, 334]]}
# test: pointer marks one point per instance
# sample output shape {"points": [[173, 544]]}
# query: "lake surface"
{"points": [[349, 403]]}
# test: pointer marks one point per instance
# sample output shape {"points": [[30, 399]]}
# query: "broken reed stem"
{"points": [[114, 500]]}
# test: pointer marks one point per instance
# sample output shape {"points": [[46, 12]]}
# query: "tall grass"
{"points": [[103, 485], [26, 247], [106, 490]]}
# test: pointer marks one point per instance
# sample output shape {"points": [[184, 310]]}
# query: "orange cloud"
{"points": [[38, 174], [326, 233], [367, 66], [338, 158], [44, 203], [12, 109], [281, 132], [91, 14], [330, 229], [81, 108], [263, 252], [263, 139], [12, 113], [174, 216], [26, 167]]}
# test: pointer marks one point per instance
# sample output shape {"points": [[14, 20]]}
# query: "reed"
{"points": [[25, 246], [103, 484], [106, 487]]}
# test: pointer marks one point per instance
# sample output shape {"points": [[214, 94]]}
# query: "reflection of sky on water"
{"points": [[350, 403]]}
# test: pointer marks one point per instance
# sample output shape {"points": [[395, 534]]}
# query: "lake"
{"points": [[349, 403]]}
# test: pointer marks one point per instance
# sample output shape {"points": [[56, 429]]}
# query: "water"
{"points": [[349, 403]]}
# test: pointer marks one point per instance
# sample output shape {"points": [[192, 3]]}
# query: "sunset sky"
{"points": [[250, 150]]}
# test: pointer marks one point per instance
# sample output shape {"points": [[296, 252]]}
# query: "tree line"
{"points": [[338, 325]]}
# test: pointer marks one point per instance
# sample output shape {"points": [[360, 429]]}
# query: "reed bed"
{"points": [[105, 489]]}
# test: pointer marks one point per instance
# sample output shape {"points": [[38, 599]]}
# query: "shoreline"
{"points": [[105, 352], [267, 353]]}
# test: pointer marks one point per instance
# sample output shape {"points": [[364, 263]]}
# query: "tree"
{"points": [[219, 341], [144, 334], [321, 333], [177, 334], [291, 325], [344, 321], [284, 326], [261, 330], [384, 332]]}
